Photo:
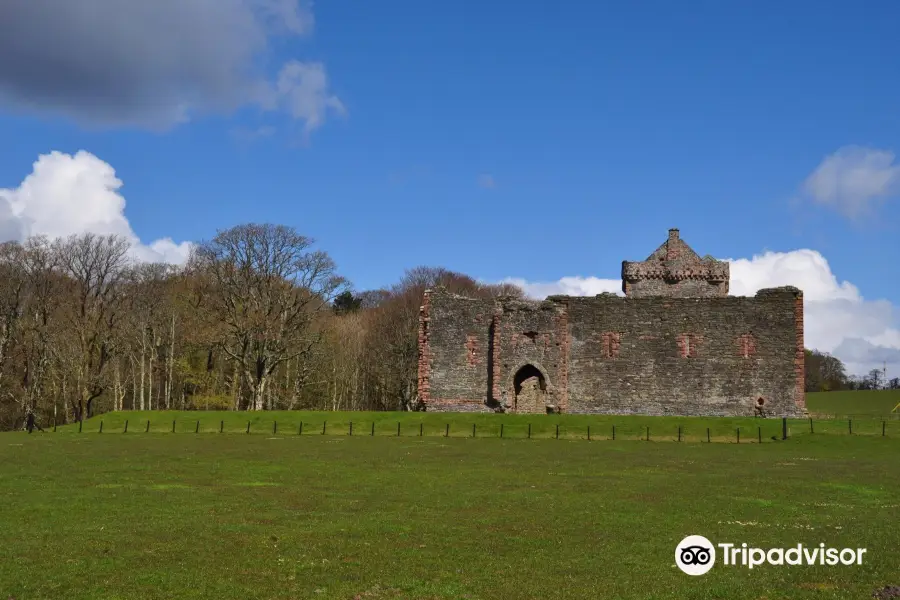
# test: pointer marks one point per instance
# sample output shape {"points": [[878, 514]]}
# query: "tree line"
{"points": [[826, 373], [257, 319]]}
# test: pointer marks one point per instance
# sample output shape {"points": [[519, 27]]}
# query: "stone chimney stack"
{"points": [[672, 245]]}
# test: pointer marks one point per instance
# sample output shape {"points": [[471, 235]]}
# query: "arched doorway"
{"points": [[530, 388]]}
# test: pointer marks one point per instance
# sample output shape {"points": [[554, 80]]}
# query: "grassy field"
{"points": [[857, 403], [155, 516]]}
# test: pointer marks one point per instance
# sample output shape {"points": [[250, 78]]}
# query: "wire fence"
{"points": [[772, 430]]}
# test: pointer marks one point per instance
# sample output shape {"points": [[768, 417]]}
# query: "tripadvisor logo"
{"points": [[696, 555]]}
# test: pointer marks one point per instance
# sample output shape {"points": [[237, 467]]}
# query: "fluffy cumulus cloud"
{"points": [[854, 180], [66, 194], [838, 319], [155, 64]]}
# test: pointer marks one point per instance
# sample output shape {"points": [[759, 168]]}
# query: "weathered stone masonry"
{"points": [[669, 352]]}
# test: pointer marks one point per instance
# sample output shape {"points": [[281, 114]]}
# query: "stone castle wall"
{"points": [[606, 354]]}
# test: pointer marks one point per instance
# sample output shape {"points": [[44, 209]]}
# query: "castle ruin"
{"points": [[675, 344]]}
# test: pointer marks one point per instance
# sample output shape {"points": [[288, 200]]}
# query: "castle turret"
{"points": [[674, 270]]}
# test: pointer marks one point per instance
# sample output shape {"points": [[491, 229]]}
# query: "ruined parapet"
{"points": [[674, 270]]}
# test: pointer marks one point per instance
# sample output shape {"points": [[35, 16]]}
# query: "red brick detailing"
{"points": [[688, 344], [746, 345], [472, 349], [800, 355], [611, 343], [496, 372], [562, 377], [424, 371]]}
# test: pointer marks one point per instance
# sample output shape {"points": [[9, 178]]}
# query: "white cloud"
{"points": [[486, 181], [302, 89], [65, 195], [854, 180], [837, 318]]}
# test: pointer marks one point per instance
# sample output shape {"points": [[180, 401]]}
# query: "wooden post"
{"points": [[707, 435], [248, 426], [447, 431], [648, 433], [351, 428], [221, 426], [274, 427], [373, 428], [197, 429], [473, 429], [148, 427], [421, 429], [101, 426], [784, 428], [323, 427], [79, 425], [126, 426], [501, 429], [300, 431], [529, 431], [811, 425], [54, 425], [614, 432], [679, 433], [883, 423], [760, 435], [738, 435], [850, 425], [173, 425], [589, 433], [557, 431], [398, 428]]}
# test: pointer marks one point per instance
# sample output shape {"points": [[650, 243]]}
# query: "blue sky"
{"points": [[530, 140]]}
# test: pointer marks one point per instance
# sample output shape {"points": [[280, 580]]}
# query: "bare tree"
{"points": [[95, 267], [267, 286]]}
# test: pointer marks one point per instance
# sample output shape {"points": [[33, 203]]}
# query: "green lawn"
{"points": [[161, 516], [857, 403]]}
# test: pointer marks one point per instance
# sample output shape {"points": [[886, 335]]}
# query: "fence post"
{"points": [[126, 426], [80, 422], [648, 433], [54, 425], [173, 425], [589, 433], [529, 431], [473, 429], [850, 425], [883, 423], [738, 435], [784, 428], [323, 426], [373, 428], [351, 428], [557, 431], [614, 432], [421, 429], [708, 440], [148, 427], [679, 433], [197, 429], [101, 426], [760, 436], [221, 426], [501, 429], [811, 425], [447, 431], [248, 426], [274, 427], [300, 432], [398, 428]]}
